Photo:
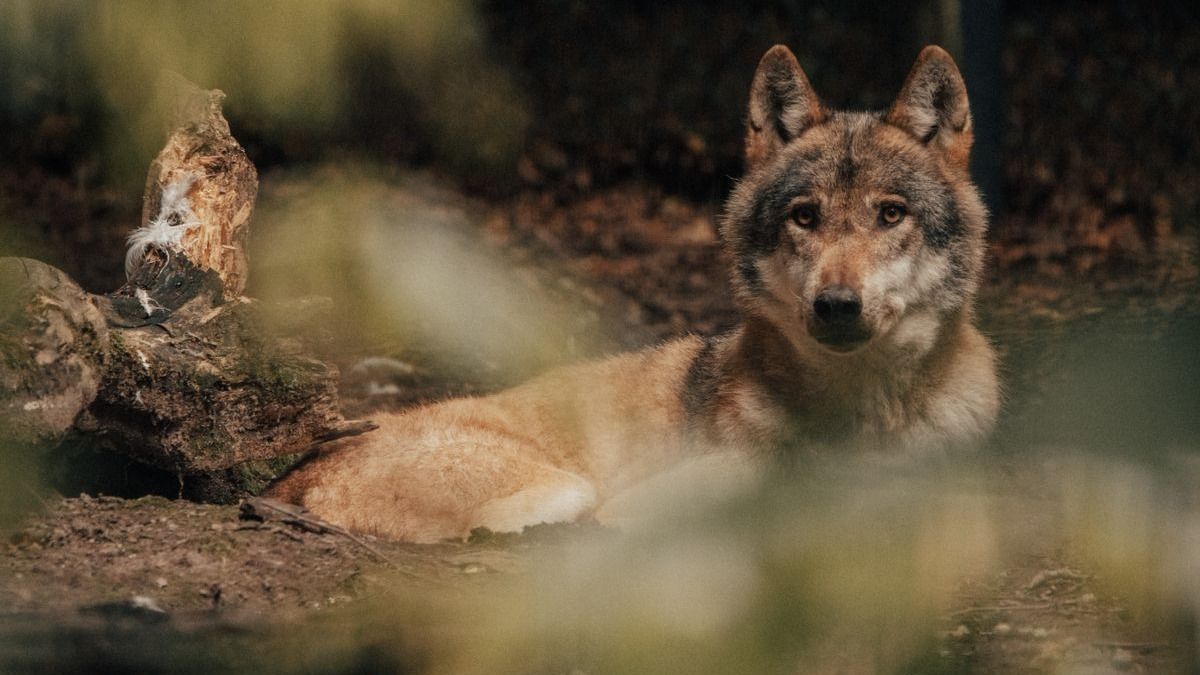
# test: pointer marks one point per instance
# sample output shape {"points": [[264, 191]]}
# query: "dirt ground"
{"points": [[87, 572]]}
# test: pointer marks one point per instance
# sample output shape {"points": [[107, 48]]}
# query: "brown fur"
{"points": [[910, 374], [587, 432]]}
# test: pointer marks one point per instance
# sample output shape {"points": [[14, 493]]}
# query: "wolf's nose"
{"points": [[837, 304]]}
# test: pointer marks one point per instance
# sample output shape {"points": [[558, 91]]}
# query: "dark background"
{"points": [[1094, 109]]}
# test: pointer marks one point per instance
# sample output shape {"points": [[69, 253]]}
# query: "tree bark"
{"points": [[53, 350]]}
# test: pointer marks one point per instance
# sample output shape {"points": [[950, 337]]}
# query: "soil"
{"points": [[90, 572]]}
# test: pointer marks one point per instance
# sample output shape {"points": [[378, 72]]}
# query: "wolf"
{"points": [[855, 243]]}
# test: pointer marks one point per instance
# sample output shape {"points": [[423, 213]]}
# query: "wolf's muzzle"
{"points": [[837, 322], [838, 305]]}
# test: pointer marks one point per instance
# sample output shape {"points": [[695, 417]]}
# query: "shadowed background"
{"points": [[1091, 124]]}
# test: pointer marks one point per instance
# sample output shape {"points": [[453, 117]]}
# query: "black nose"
{"points": [[838, 305]]}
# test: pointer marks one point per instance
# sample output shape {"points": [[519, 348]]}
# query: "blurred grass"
{"points": [[19, 483], [402, 259], [301, 66], [18, 471], [834, 572], [852, 567], [19, 480], [812, 575], [17, 239]]}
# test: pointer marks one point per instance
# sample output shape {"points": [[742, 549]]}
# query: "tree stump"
{"points": [[200, 190], [175, 369]]}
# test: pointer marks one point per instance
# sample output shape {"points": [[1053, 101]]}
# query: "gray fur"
{"points": [[703, 377], [757, 212]]}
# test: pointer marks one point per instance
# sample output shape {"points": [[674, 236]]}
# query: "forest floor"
{"points": [[87, 574]]}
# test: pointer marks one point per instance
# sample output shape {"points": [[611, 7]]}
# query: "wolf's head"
{"points": [[853, 230]]}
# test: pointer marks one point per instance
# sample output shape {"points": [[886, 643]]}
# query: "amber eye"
{"points": [[805, 215], [891, 214]]}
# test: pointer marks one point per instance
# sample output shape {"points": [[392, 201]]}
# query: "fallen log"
{"points": [[175, 369], [53, 349]]}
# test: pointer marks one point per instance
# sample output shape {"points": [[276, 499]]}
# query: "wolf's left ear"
{"points": [[932, 105], [782, 105]]}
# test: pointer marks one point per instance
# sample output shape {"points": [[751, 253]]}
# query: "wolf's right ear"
{"points": [[782, 105]]}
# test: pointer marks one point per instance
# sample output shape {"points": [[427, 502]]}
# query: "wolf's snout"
{"points": [[838, 305], [836, 321]]}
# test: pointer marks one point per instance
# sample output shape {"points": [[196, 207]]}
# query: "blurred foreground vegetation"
{"points": [[839, 568], [832, 567]]}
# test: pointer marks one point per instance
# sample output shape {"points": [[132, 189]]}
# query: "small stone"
{"points": [[160, 582], [1002, 629], [1040, 633], [960, 631]]}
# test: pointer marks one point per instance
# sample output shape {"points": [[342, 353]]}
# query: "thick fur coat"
{"points": [[856, 243]]}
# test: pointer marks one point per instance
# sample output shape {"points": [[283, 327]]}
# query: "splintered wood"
{"points": [[201, 188]]}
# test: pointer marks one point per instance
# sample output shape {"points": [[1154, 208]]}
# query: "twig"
{"points": [[294, 515], [350, 428], [1132, 646], [1046, 576], [200, 338], [1002, 608], [319, 526], [290, 535]]}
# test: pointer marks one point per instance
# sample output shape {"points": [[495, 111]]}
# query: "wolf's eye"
{"points": [[805, 215], [891, 214]]}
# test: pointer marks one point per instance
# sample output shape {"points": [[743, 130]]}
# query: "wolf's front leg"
{"points": [[553, 496]]}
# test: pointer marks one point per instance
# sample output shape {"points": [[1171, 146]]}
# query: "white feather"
{"points": [[164, 231], [148, 303]]}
